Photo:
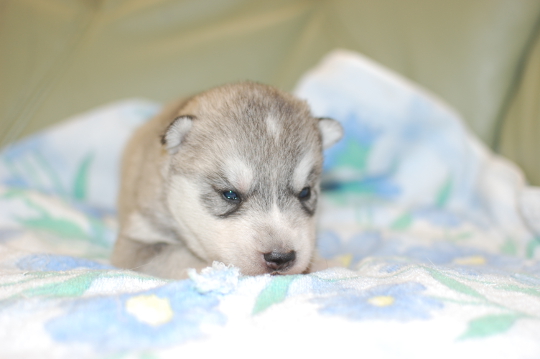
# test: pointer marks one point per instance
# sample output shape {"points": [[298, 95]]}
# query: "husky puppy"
{"points": [[229, 175]]}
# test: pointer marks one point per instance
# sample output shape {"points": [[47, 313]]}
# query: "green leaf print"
{"points": [[275, 292], [74, 287], [355, 156], [80, 185], [64, 228], [13, 193], [57, 226], [454, 284], [45, 222], [509, 247], [514, 288], [489, 325], [49, 172], [403, 222], [532, 246], [444, 193]]}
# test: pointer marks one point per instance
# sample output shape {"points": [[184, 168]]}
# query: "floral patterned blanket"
{"points": [[439, 241]]}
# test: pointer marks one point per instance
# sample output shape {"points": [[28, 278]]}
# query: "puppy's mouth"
{"points": [[283, 271]]}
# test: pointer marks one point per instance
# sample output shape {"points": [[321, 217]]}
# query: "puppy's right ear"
{"points": [[176, 132], [331, 131]]}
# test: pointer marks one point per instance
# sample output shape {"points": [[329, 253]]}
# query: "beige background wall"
{"points": [[61, 57]]}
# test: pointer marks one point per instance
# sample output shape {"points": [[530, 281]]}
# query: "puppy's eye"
{"points": [[305, 193], [231, 196]]}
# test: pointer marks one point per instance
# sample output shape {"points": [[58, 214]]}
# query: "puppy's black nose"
{"points": [[278, 260]]}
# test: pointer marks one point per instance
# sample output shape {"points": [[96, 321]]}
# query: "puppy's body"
{"points": [[235, 178]]}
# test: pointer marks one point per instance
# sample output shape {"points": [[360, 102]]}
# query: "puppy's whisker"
{"points": [[139, 266]]}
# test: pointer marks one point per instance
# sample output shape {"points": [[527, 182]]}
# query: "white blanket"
{"points": [[436, 233]]}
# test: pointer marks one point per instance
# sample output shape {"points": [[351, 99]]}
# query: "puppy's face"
{"points": [[243, 177]]}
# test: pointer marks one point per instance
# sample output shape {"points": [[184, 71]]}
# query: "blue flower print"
{"points": [[53, 262], [368, 243], [354, 148], [465, 260], [12, 172], [347, 162], [403, 302], [529, 278], [160, 317], [438, 217], [444, 253], [361, 245]]}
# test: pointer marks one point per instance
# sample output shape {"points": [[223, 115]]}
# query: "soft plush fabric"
{"points": [[438, 238]]}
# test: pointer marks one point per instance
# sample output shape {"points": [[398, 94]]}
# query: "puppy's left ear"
{"points": [[331, 131], [176, 132]]}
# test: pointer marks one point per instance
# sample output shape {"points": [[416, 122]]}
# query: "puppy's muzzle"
{"points": [[279, 261]]}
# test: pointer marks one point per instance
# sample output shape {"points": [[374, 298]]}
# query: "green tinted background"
{"points": [[62, 57]]}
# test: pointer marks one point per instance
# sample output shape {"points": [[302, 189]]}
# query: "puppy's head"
{"points": [[242, 170]]}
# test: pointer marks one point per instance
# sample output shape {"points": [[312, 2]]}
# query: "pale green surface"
{"points": [[61, 57]]}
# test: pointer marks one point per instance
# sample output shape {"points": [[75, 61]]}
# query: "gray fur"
{"points": [[171, 191]]}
